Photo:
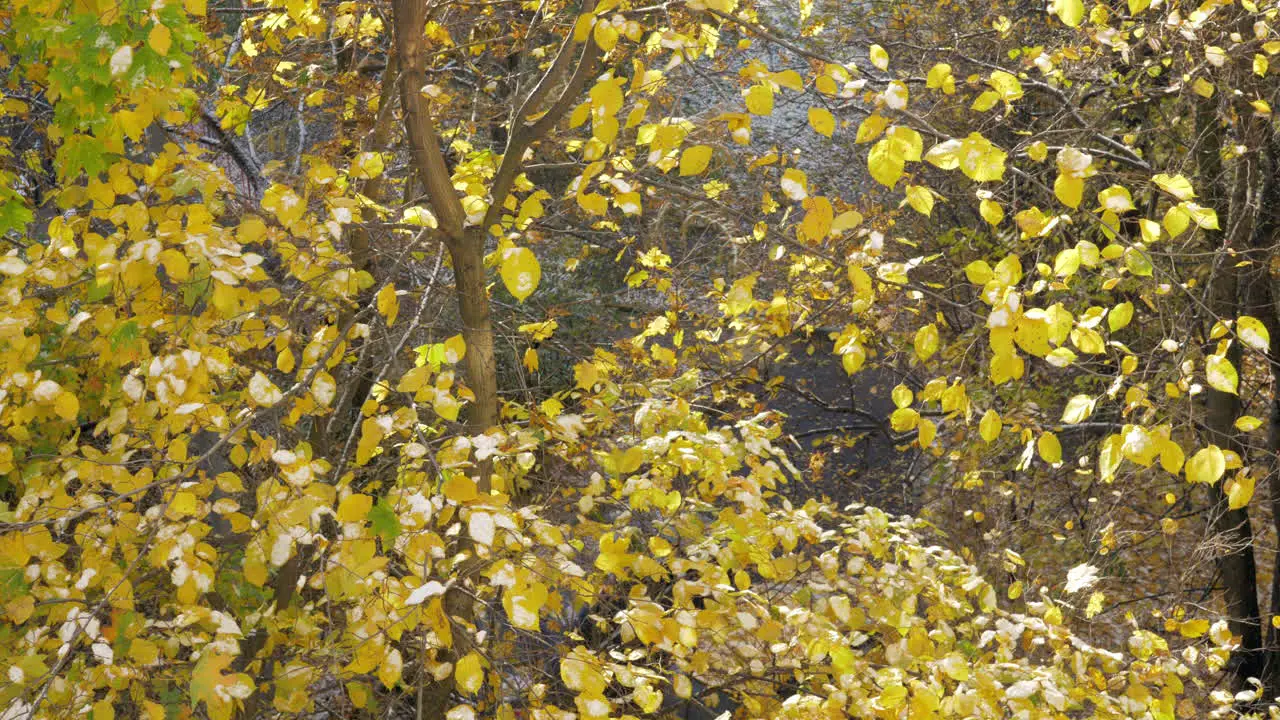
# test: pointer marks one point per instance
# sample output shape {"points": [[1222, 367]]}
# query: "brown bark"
{"points": [[1236, 562], [1266, 291], [466, 245], [410, 17], [466, 253], [477, 330]]}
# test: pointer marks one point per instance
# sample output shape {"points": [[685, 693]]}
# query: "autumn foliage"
{"points": [[280, 430]]}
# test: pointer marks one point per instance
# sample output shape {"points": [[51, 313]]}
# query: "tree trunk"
{"points": [[477, 330], [1266, 290], [1236, 563], [466, 253]]}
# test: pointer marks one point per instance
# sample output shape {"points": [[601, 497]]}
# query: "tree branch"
{"points": [[424, 142]]}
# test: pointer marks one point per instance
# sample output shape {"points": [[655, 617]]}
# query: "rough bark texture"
{"points": [[1235, 201], [1267, 289]]}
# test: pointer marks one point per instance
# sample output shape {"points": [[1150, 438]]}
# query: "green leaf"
{"points": [[383, 520]]}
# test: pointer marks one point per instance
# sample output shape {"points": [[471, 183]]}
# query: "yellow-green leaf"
{"points": [[1206, 466], [1049, 448], [1070, 12], [1221, 374], [1253, 333]]}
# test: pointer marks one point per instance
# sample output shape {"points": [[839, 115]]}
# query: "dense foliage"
{"points": [[308, 402]]}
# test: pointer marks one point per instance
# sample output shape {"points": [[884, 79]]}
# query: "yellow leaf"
{"points": [[871, 128], [1193, 628], [1049, 448], [523, 604], [218, 690], [847, 220], [1221, 374], [605, 35], [991, 211], [184, 504], [795, 185], [920, 199], [1078, 409], [926, 341], [822, 121], [367, 165], [606, 97], [455, 348], [695, 159], [927, 431], [1240, 491], [388, 304], [885, 165], [904, 419], [940, 78], [160, 39], [459, 488], [175, 264], [817, 221], [1069, 190], [66, 405], [759, 100], [1253, 333], [391, 667], [354, 508], [879, 57], [789, 79], [1066, 263], [285, 361], [979, 272], [1120, 316], [1206, 466], [1070, 12], [1247, 423], [469, 674], [990, 426], [520, 272], [1176, 185], [1116, 199]]}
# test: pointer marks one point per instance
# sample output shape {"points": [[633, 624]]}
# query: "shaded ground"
{"points": [[838, 426]]}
